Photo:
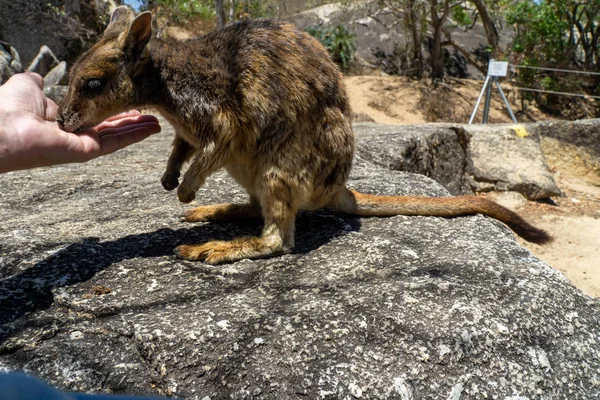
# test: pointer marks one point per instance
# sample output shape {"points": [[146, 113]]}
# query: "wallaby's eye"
{"points": [[92, 87]]}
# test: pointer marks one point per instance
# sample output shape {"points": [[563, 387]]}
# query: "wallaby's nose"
{"points": [[61, 123]]}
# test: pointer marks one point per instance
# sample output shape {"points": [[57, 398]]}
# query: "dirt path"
{"points": [[575, 224], [574, 220]]}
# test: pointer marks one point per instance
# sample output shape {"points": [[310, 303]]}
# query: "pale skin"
{"points": [[30, 136]]}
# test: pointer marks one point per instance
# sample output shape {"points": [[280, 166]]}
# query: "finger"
{"points": [[151, 126], [126, 136], [125, 121], [130, 113], [32, 76], [84, 146], [51, 110]]}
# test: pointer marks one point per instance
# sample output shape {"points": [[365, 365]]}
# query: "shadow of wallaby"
{"points": [[32, 289]]}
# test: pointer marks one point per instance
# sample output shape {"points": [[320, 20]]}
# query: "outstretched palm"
{"points": [[30, 137]]}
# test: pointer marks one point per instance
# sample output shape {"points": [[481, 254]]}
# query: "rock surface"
{"points": [[10, 62], [432, 150], [511, 200], [584, 134], [28, 25], [508, 159], [92, 298], [56, 92], [463, 158], [57, 75], [378, 38], [44, 62]]}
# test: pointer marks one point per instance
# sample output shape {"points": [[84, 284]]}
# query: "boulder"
{"points": [[511, 200], [57, 75], [585, 134], [56, 92], [432, 150], [43, 62], [29, 25], [381, 40], [92, 298], [10, 62], [507, 158], [463, 158]]}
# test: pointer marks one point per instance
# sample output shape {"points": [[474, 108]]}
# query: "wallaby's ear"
{"points": [[140, 32], [122, 13], [119, 21]]}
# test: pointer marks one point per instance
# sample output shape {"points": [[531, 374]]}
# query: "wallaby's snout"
{"points": [[103, 82], [61, 122], [68, 120]]}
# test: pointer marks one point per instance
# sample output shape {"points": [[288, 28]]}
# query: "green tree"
{"points": [[338, 42], [560, 34]]}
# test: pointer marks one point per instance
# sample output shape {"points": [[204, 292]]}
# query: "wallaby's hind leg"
{"points": [[223, 212], [277, 236], [182, 151]]}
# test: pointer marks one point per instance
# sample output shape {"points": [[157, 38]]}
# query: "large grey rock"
{"points": [[432, 150], [92, 298], [378, 35], [585, 133], [10, 62], [28, 25], [57, 75], [43, 62], [498, 156]]}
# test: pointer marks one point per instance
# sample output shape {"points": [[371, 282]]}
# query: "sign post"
{"points": [[495, 69]]}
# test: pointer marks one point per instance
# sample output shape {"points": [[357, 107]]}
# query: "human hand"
{"points": [[30, 136]]}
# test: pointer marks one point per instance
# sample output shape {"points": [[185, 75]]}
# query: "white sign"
{"points": [[497, 68]]}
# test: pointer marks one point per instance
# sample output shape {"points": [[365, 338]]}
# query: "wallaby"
{"points": [[261, 99]]}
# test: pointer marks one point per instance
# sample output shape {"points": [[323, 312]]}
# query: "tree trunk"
{"points": [[437, 23], [437, 58], [488, 25], [220, 10], [412, 22]]}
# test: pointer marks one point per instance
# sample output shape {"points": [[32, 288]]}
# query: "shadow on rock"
{"points": [[31, 289]]}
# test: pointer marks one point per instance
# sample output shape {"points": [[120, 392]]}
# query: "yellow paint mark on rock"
{"points": [[520, 131]]}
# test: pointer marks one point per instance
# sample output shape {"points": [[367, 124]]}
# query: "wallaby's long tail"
{"points": [[352, 202]]}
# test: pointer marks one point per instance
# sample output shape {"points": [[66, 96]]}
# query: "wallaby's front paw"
{"points": [[185, 194], [170, 181]]}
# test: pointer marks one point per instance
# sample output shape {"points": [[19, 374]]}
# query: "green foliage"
{"points": [[179, 10], [252, 9], [461, 15], [541, 29], [340, 44]]}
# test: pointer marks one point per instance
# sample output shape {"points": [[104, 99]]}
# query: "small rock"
{"points": [[56, 93], [43, 62], [10, 62], [57, 75], [510, 200], [76, 335]]}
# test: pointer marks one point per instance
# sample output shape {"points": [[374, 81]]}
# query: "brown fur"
{"points": [[262, 100]]}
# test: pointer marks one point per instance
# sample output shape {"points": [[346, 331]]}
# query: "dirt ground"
{"points": [[573, 219]]}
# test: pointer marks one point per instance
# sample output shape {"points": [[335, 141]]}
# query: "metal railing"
{"points": [[499, 69], [571, 71]]}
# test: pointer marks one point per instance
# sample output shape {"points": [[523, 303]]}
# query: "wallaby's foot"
{"points": [[218, 251], [222, 212], [185, 193], [170, 180]]}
